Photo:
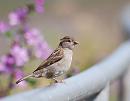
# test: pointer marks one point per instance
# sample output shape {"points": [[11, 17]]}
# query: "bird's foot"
{"points": [[58, 81]]}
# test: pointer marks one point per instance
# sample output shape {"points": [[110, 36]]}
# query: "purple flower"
{"points": [[4, 27], [17, 17], [39, 6], [42, 50], [8, 62], [40, 46], [2, 67], [20, 54], [33, 37]]}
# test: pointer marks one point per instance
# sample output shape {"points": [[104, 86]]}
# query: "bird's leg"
{"points": [[58, 81]]}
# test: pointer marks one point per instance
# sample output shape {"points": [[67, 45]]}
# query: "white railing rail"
{"points": [[86, 85]]}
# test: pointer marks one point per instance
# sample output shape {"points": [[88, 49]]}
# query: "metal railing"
{"points": [[90, 84]]}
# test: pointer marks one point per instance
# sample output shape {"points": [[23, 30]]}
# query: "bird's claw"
{"points": [[59, 81]]}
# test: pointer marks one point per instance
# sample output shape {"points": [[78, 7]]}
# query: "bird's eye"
{"points": [[69, 40]]}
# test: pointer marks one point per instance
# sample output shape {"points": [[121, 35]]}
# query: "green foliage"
{"points": [[32, 82], [8, 34]]}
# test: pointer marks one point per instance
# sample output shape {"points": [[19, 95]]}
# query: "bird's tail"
{"points": [[24, 78]]}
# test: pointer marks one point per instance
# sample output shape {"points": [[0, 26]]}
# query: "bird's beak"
{"points": [[76, 43]]}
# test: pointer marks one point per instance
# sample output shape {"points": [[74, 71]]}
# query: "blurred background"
{"points": [[94, 23]]}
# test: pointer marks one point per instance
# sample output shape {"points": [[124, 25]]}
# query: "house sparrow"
{"points": [[57, 63]]}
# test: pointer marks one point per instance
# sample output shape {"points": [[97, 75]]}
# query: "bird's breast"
{"points": [[65, 63], [67, 58]]}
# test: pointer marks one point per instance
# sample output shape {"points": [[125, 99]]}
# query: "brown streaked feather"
{"points": [[56, 56]]}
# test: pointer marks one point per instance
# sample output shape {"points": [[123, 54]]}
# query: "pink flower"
{"points": [[7, 61], [17, 17], [33, 36], [2, 67], [39, 6], [42, 50], [20, 54], [14, 19], [4, 27], [40, 46]]}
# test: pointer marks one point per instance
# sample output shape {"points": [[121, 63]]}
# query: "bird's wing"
{"points": [[56, 56]]}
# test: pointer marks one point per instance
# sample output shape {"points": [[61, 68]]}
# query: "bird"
{"points": [[58, 63]]}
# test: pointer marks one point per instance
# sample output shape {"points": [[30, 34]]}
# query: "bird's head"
{"points": [[68, 42]]}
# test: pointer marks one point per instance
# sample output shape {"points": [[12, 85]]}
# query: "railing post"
{"points": [[126, 83], [103, 95], [121, 89]]}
